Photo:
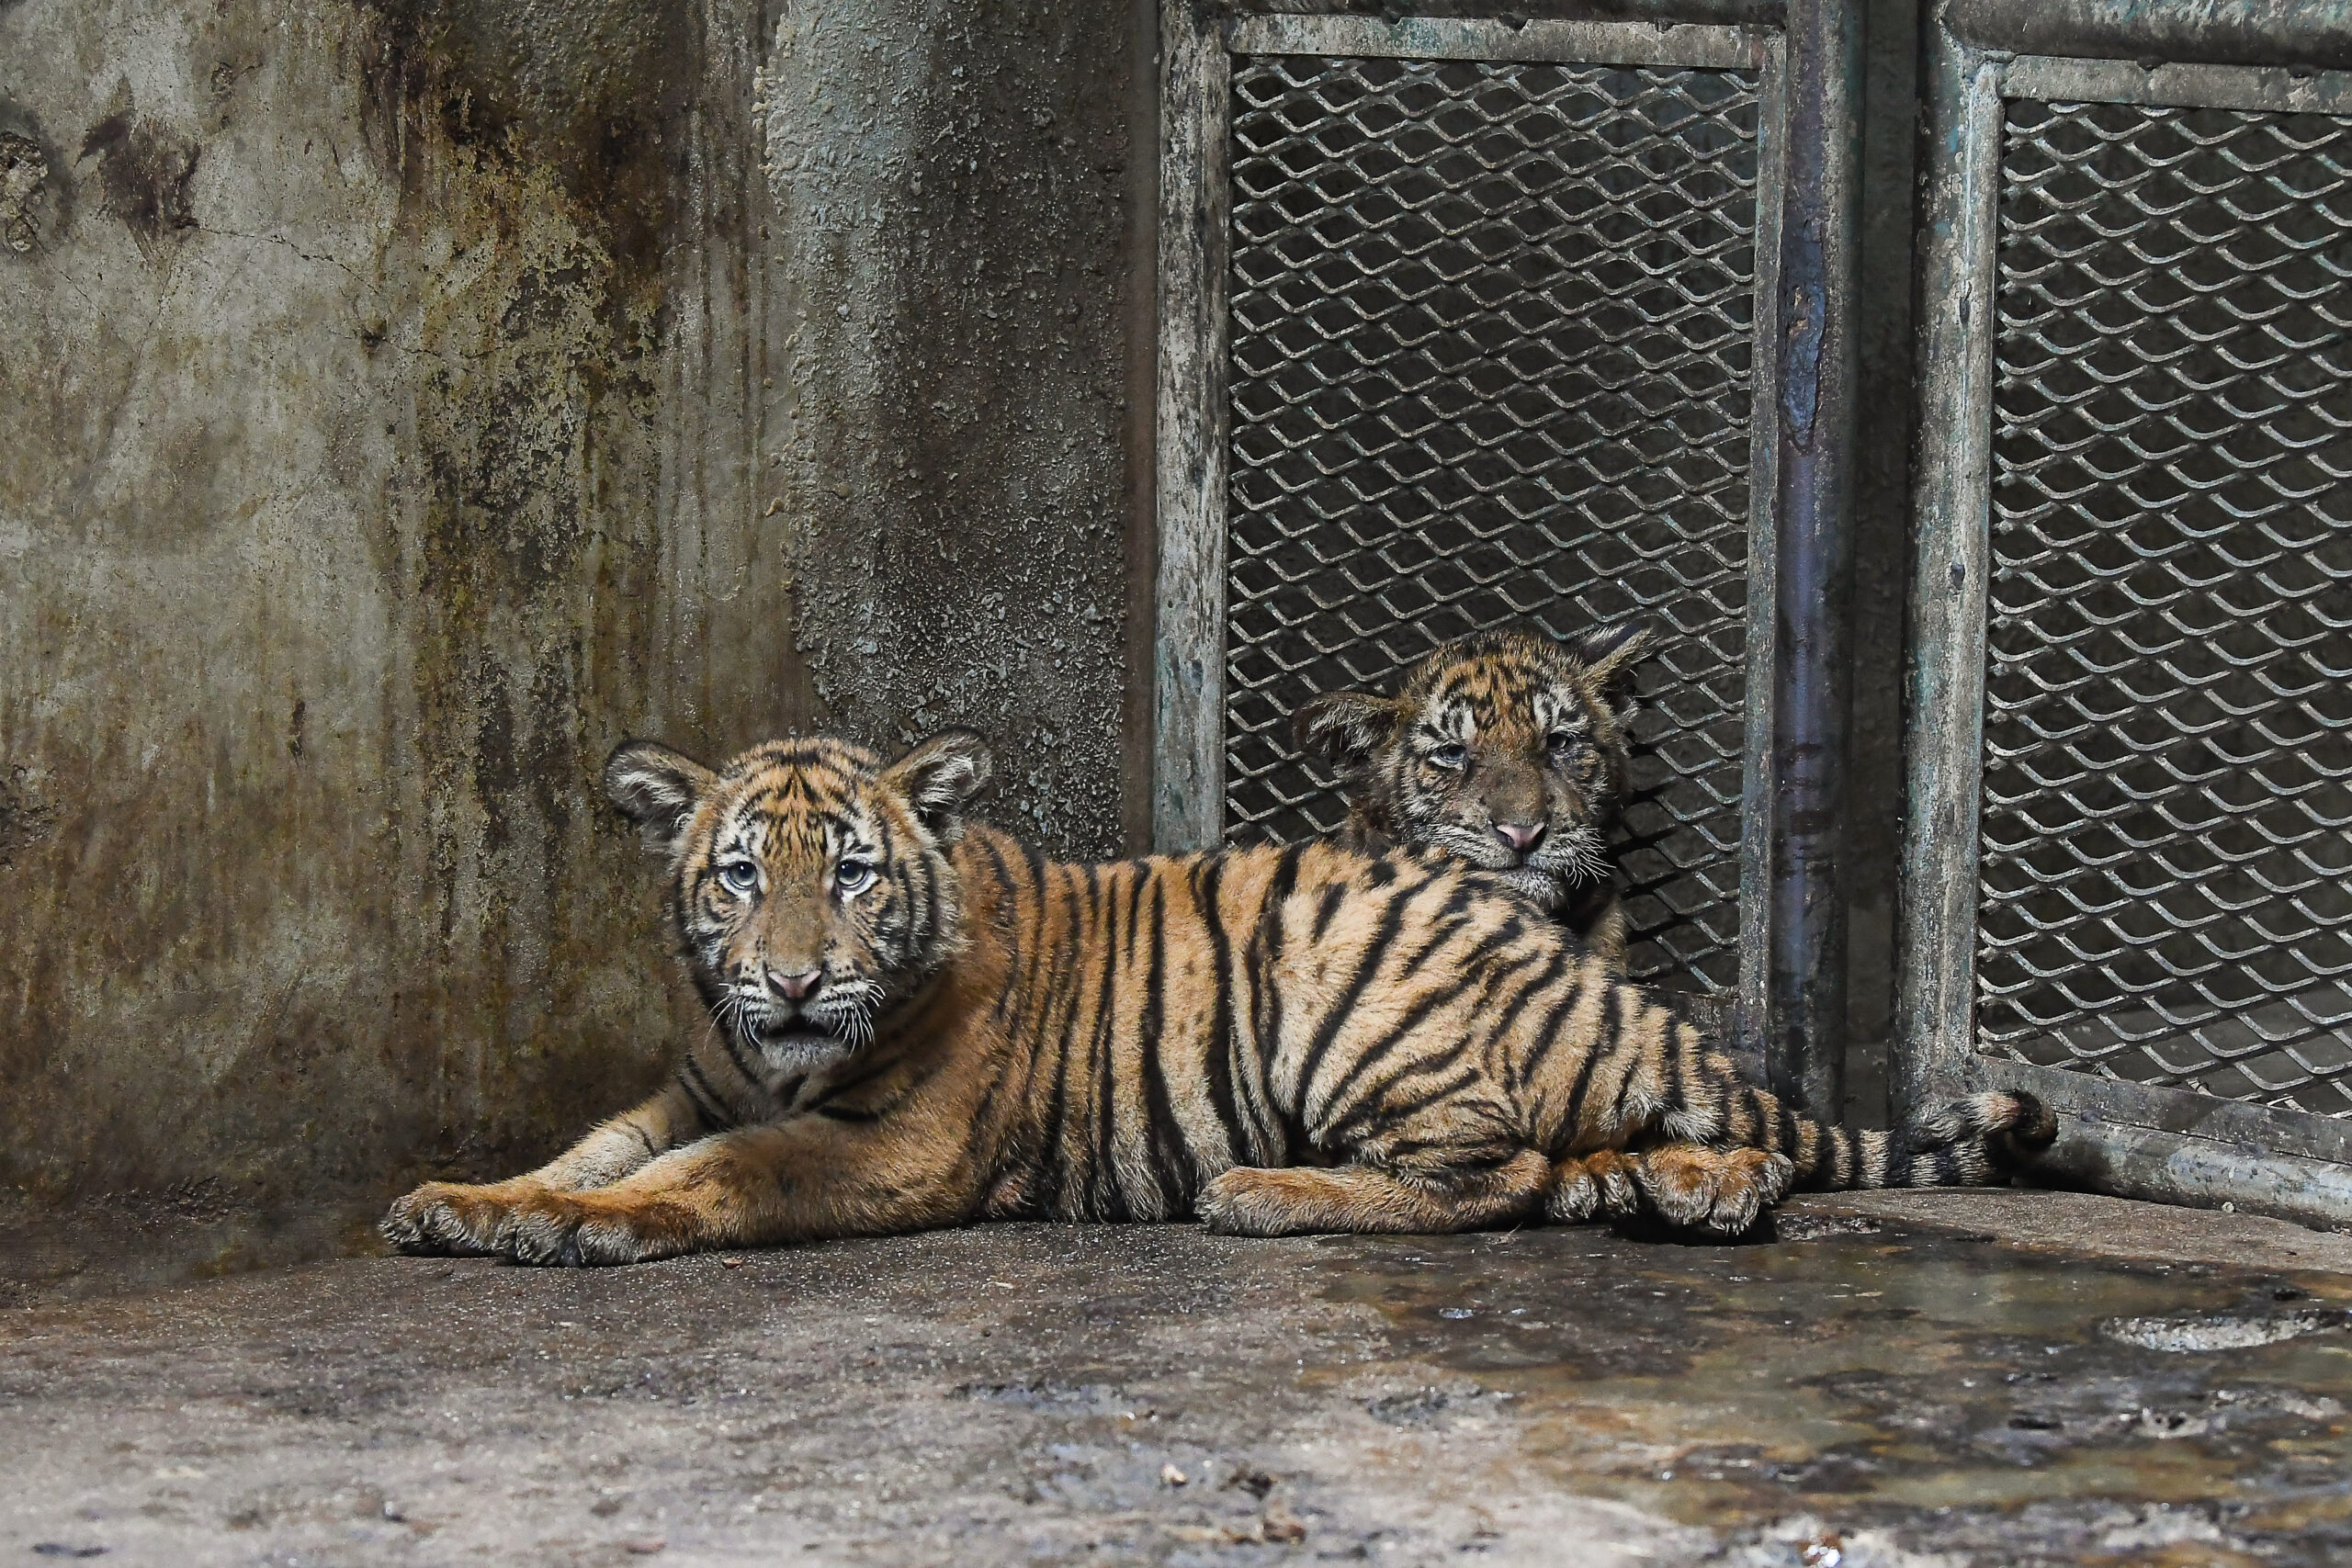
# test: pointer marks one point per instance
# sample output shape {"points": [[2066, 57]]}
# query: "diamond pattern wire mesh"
{"points": [[1490, 357], [2167, 853]]}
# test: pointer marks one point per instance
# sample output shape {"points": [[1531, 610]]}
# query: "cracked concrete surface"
{"points": [[1895, 1378]]}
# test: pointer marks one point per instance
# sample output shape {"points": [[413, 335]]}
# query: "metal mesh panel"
{"points": [[1490, 357], [2166, 869]]}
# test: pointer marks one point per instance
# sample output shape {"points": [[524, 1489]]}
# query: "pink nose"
{"points": [[1519, 837], [796, 987]]}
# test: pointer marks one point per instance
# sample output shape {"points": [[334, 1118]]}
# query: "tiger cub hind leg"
{"points": [[1366, 1198], [1687, 1186]]}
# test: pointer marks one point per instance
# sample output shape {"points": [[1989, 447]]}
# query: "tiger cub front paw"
{"points": [[447, 1219], [593, 1229]]}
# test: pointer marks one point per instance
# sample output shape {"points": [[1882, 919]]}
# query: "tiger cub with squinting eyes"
{"points": [[917, 1023], [1506, 750]]}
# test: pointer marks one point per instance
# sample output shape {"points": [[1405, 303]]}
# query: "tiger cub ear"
{"points": [[1609, 657], [1346, 727], [941, 776], [656, 788]]}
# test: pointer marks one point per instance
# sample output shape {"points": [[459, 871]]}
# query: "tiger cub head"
{"points": [[810, 882], [1505, 749]]}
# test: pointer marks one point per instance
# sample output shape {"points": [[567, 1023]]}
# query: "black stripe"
{"points": [[1336, 1118], [646, 1138], [1442, 932], [734, 1049], [833, 1092], [1409, 1021], [1419, 1102], [1603, 1045], [1329, 905], [1209, 876], [1670, 1094], [1367, 964], [1784, 1128], [1167, 1140], [1548, 1035], [709, 1109], [1020, 1008], [1756, 1128], [1270, 1132], [1108, 1202], [1137, 874], [997, 863], [1061, 983], [1499, 1032], [1612, 1027], [844, 1113], [929, 914]]}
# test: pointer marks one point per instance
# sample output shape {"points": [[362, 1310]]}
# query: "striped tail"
{"points": [[1967, 1143]]}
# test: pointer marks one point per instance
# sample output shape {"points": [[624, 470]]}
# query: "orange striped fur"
{"points": [[916, 1022]]}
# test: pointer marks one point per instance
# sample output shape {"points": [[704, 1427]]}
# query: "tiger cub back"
{"points": [[1506, 750]]}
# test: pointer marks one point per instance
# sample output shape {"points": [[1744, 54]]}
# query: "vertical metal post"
{"points": [[1955, 320], [1805, 1035], [1188, 771]]}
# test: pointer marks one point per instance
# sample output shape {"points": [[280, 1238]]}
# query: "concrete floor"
{"points": [[1997, 1378]]}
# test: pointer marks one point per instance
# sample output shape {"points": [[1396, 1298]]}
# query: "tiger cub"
{"points": [[1506, 750], [917, 1023]]}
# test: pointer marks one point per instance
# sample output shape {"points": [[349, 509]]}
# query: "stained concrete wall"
{"points": [[402, 402]]}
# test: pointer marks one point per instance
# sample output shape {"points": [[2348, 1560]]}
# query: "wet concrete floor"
{"points": [[1888, 1382]]}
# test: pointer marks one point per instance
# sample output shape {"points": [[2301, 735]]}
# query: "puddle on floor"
{"points": [[1899, 1376]]}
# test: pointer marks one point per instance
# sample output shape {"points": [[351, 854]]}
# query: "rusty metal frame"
{"points": [[2167, 1144], [1786, 1013]]}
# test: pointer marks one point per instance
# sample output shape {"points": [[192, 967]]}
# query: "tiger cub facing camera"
{"points": [[917, 1023], [1506, 750]]}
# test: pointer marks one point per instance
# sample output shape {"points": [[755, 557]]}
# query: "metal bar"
{"points": [[1813, 314], [1768, 14], [1746, 1029], [2200, 86], [2173, 1111], [1551, 43], [1188, 772], [1951, 541], [2168, 1168], [2254, 32]]}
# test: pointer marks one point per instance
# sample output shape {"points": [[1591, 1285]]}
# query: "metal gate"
{"points": [[1460, 328], [2128, 877]]}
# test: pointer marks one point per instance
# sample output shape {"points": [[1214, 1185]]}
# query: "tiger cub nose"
{"points": [[796, 987], [1519, 837]]}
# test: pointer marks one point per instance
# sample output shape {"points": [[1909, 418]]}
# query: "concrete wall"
{"points": [[399, 403]]}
